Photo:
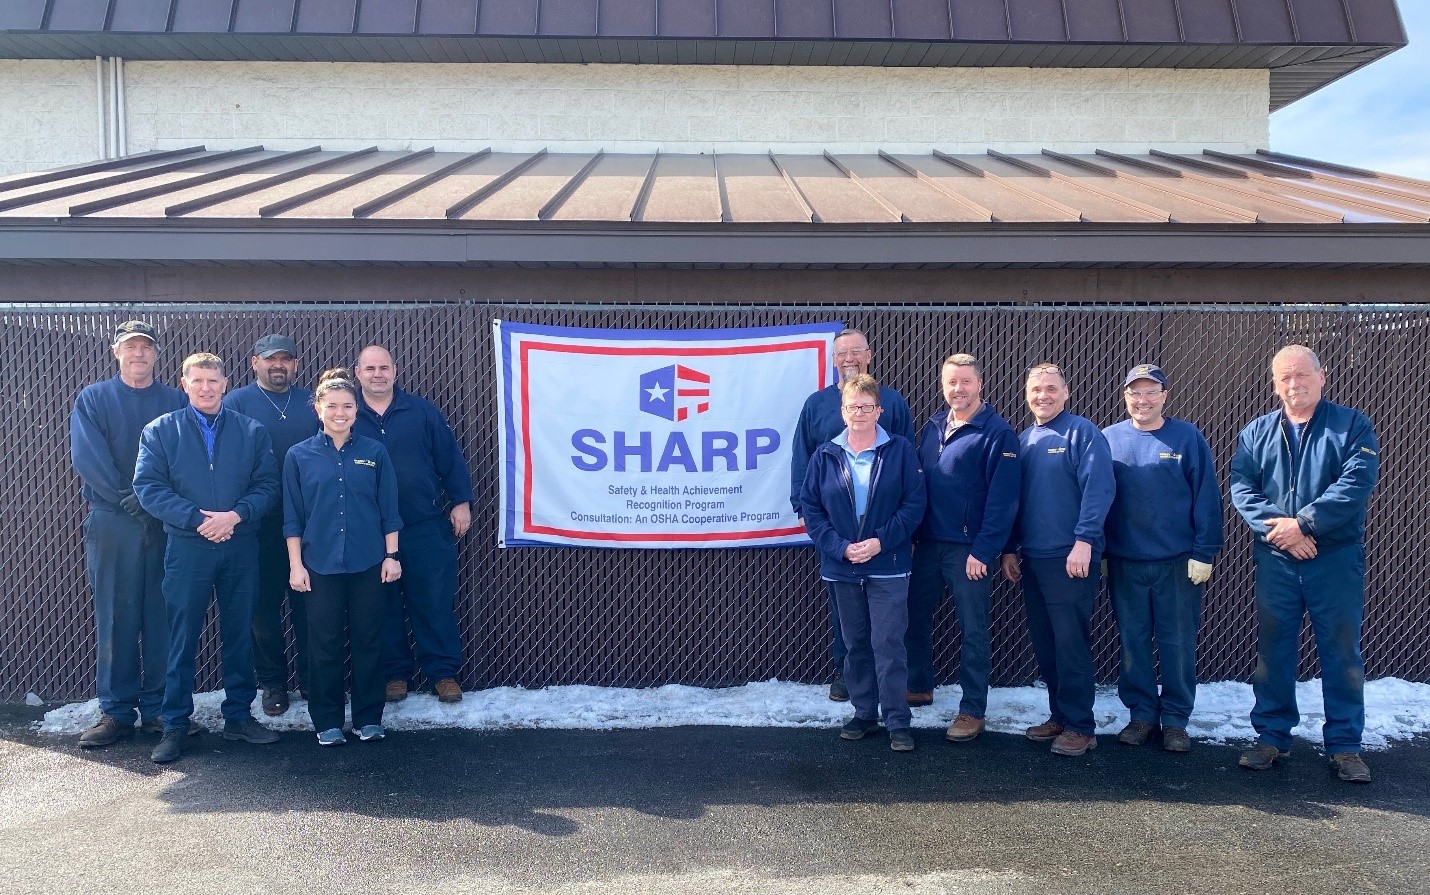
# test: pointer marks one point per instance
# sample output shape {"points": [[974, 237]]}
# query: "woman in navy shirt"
{"points": [[340, 520]]}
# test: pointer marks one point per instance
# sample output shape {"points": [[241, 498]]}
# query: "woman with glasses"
{"points": [[340, 520], [863, 498]]}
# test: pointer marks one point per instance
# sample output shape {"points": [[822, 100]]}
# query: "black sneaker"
{"points": [[275, 701], [1261, 757], [1350, 767], [837, 691], [248, 730], [858, 728], [170, 747], [107, 732], [901, 740]]}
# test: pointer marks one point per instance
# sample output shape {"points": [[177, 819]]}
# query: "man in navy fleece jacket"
{"points": [[1067, 490], [1163, 534]]}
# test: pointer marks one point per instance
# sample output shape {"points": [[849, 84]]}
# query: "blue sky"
{"points": [[1377, 118]]}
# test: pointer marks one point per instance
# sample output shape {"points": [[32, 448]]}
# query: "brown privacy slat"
{"points": [[471, 201], [402, 192], [180, 185], [798, 193], [554, 203], [341, 183], [643, 618], [947, 193], [859, 181], [1005, 183], [93, 167], [643, 197], [184, 208], [72, 189], [1244, 214]]}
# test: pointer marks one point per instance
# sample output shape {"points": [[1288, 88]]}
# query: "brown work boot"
{"points": [[964, 729], [1136, 733], [275, 701], [1350, 767], [106, 733], [1261, 756], [1175, 739], [448, 691], [1072, 743], [396, 691], [1042, 733], [917, 699]]}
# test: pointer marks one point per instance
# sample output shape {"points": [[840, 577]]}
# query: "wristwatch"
{"points": [[394, 555]]}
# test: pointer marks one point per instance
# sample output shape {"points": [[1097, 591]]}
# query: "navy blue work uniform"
{"points": [[432, 477], [188, 463], [289, 418], [1322, 476], [1167, 511], [821, 419], [342, 502], [850, 496], [973, 478], [1067, 490], [124, 553]]}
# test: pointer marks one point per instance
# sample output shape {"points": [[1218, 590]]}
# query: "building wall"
{"points": [[48, 114], [631, 107]]}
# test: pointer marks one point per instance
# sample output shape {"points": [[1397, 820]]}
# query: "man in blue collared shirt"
{"points": [[434, 489], [287, 412], [209, 475]]}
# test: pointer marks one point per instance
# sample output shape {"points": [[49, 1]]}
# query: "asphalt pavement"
{"points": [[696, 810]]}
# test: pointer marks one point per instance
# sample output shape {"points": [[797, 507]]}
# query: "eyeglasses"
{"points": [[1144, 393], [1044, 368], [861, 408], [851, 352]]}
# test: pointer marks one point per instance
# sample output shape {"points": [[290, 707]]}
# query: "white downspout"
{"points": [[99, 106], [120, 124]]}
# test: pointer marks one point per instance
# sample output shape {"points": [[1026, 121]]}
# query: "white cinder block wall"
{"points": [[47, 109]]}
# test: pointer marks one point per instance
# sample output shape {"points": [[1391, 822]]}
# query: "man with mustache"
{"points": [[1301, 478]]}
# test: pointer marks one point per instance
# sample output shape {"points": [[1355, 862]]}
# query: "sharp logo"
{"points": [[675, 393]]}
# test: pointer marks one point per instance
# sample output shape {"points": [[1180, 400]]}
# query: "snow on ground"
{"points": [[1394, 710]]}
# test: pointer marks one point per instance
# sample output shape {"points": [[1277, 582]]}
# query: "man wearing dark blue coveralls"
{"points": [[820, 420], [1163, 534], [434, 495], [1067, 490], [287, 412], [1301, 478], [969, 456], [209, 475], [123, 545]]}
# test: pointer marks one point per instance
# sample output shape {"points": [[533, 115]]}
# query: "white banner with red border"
{"points": [[653, 438]]}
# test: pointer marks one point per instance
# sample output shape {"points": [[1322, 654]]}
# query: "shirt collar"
{"points": [[880, 438]]}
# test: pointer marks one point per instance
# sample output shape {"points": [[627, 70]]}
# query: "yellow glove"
{"points": [[1199, 572]]}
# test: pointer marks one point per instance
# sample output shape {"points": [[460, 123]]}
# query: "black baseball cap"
{"points": [[271, 345], [132, 328]]}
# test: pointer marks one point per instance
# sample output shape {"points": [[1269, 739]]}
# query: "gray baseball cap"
{"points": [[271, 345]]}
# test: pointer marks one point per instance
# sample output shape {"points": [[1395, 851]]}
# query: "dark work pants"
{"points": [[1156, 600], [939, 565], [837, 650], [1331, 588], [345, 609], [424, 595], [1060, 626], [270, 652], [195, 570], [874, 614], [125, 561]]}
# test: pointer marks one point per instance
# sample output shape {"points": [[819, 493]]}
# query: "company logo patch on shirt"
{"points": [[1169, 455], [1058, 450], [1010, 455], [360, 462], [1366, 450]]}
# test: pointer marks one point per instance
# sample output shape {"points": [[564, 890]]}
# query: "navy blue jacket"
{"points": [[1168, 505], [896, 505], [296, 405], [174, 478], [1068, 486], [104, 434], [341, 503], [973, 481], [1326, 487], [822, 418], [432, 474]]}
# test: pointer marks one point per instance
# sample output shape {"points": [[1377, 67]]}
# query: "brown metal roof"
{"points": [[1304, 43], [270, 193]]}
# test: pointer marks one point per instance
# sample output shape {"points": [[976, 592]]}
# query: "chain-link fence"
{"points": [[538, 616]]}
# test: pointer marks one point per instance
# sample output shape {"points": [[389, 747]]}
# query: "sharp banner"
{"points": [[653, 438]]}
